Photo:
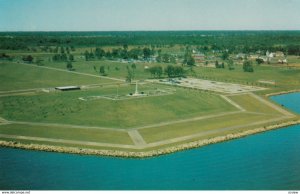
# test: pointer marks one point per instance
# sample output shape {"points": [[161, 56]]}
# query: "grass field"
{"points": [[183, 129], [15, 76], [67, 133], [66, 108], [252, 105]]}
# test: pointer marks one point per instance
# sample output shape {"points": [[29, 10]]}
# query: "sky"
{"points": [[131, 15]]}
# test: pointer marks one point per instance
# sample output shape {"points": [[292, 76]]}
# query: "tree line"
{"points": [[170, 70], [233, 41]]}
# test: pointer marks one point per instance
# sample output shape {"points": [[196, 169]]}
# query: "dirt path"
{"points": [[87, 143], [185, 120], [136, 138], [74, 72], [67, 125], [233, 103]]}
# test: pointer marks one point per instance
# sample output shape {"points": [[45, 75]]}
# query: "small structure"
{"points": [[283, 61], [67, 88], [241, 56], [279, 54], [136, 93], [199, 57]]}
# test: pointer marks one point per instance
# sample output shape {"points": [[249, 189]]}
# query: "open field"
{"points": [[67, 133], [15, 76], [67, 108], [255, 111]]}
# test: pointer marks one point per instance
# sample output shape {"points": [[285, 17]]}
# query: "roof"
{"points": [[67, 87]]}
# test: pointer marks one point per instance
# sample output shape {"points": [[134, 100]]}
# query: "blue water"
{"points": [[290, 101], [264, 161]]}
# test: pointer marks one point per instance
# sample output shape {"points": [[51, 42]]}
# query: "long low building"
{"points": [[67, 88]]}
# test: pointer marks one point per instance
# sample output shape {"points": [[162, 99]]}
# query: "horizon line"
{"points": [[147, 30]]}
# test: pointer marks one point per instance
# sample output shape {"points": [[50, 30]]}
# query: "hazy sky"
{"points": [[106, 15]]}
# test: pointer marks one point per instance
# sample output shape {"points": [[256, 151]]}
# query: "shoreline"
{"points": [[146, 154], [157, 152], [282, 92]]}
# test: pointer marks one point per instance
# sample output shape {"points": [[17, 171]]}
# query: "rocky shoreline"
{"points": [[282, 92], [128, 154]]}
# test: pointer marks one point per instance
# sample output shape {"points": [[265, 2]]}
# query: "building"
{"points": [[199, 57], [279, 54], [67, 88]]}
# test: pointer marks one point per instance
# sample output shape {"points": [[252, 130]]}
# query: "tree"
{"points": [[71, 57], [166, 58], [102, 70], [217, 64], [169, 70], [222, 65], [225, 55], [247, 66], [63, 57], [69, 65], [146, 52], [28, 58], [190, 61], [156, 71], [86, 55], [99, 53], [230, 64], [133, 66], [259, 61], [159, 71], [130, 74], [178, 71], [173, 59], [125, 46]]}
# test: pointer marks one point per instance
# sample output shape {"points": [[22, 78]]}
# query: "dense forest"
{"points": [[233, 41]]}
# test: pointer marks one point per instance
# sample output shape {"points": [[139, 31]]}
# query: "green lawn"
{"points": [[189, 128], [249, 103], [112, 68], [65, 107], [93, 135], [15, 76]]}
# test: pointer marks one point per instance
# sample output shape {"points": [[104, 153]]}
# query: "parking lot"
{"points": [[223, 87]]}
